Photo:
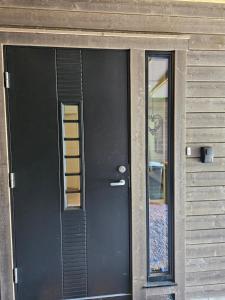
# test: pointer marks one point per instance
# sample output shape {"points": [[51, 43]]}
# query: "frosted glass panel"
{"points": [[71, 155], [72, 165], [72, 148], [71, 112], [71, 130]]}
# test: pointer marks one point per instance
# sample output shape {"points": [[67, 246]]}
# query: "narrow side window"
{"points": [[160, 164], [72, 155]]}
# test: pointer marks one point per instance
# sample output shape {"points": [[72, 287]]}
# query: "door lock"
{"points": [[122, 169]]}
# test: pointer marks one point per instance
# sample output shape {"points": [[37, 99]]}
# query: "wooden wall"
{"points": [[205, 105], [205, 205]]}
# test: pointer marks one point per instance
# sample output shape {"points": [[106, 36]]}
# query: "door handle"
{"points": [[118, 183]]}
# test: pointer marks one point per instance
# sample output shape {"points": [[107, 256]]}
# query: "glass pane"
{"points": [[73, 200], [72, 165], [71, 130], [157, 163], [71, 155], [72, 184], [72, 148], [71, 112]]}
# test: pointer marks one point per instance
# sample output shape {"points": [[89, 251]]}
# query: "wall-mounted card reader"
{"points": [[206, 154]]}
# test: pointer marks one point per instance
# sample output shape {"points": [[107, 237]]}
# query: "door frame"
{"points": [[136, 44]]}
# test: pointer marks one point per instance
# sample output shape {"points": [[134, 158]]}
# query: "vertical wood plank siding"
{"points": [[205, 115]]}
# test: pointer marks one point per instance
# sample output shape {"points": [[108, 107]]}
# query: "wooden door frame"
{"points": [[136, 44]]}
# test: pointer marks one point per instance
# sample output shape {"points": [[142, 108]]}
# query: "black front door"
{"points": [[69, 151]]}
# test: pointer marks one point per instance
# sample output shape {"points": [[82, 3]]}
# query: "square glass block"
{"points": [[72, 148], [73, 200], [72, 165], [71, 130], [70, 112], [72, 183]]}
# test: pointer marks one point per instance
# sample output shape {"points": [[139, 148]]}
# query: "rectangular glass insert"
{"points": [[71, 130], [72, 148], [72, 183], [72, 165], [73, 200], [72, 174], [71, 112], [159, 175]]}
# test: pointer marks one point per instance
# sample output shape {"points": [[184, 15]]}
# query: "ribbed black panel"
{"points": [[69, 74], [69, 88], [74, 255]]}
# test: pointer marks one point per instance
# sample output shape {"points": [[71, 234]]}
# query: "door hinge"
{"points": [[12, 180], [7, 80], [129, 176], [15, 275], [129, 183]]}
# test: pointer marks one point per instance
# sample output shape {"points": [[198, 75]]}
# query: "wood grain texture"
{"points": [[205, 89], [207, 42], [205, 236], [173, 8], [206, 58], [108, 21], [206, 179], [205, 222], [139, 253], [180, 170], [205, 292], [198, 193], [202, 105], [205, 73], [203, 120], [203, 208], [204, 278], [205, 264], [195, 165], [91, 39], [205, 135], [205, 250]]}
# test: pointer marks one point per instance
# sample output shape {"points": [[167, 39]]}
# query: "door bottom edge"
{"points": [[100, 297]]}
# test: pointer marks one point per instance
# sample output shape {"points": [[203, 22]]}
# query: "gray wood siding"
{"points": [[205, 201], [47, 18]]}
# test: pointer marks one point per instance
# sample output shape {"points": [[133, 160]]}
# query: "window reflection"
{"points": [[158, 164]]}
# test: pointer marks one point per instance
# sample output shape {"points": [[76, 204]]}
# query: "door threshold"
{"points": [[101, 297]]}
